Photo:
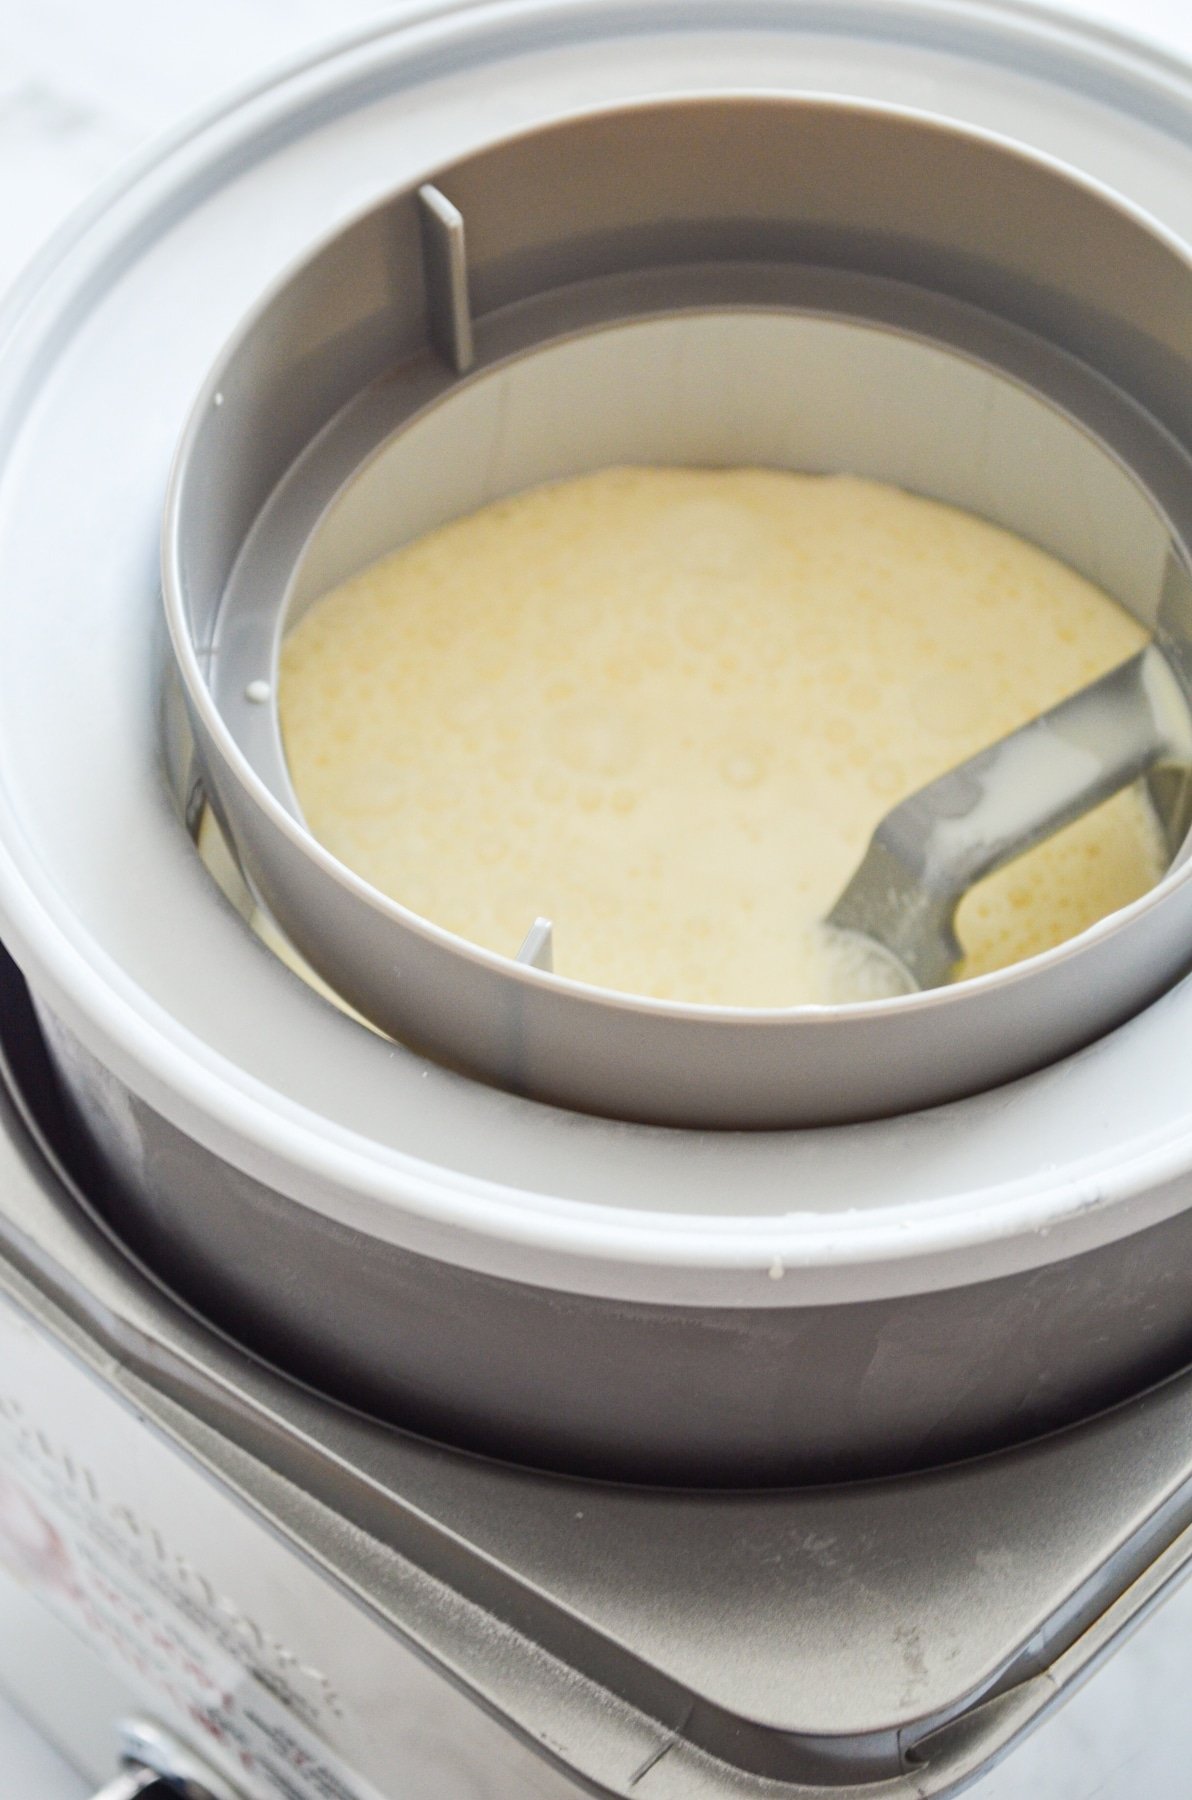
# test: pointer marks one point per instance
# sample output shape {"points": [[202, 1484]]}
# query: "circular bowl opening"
{"points": [[713, 320]]}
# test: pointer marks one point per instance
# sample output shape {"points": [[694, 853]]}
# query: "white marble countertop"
{"points": [[81, 86]]}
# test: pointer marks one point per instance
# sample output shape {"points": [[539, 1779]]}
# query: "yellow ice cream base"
{"points": [[667, 707]]}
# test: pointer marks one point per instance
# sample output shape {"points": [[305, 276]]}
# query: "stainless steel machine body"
{"points": [[317, 1608]]}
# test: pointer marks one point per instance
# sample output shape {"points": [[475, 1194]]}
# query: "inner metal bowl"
{"points": [[802, 284]]}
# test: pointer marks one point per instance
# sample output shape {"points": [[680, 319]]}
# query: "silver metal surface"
{"points": [[931, 848], [538, 945], [564, 240], [445, 271], [681, 1393], [890, 1638]]}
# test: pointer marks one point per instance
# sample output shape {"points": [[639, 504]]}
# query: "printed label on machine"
{"points": [[111, 1570]]}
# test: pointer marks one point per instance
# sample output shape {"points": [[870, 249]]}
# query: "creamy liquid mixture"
{"points": [[667, 707]]}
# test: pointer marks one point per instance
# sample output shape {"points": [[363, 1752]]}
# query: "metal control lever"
{"points": [[158, 1766]]}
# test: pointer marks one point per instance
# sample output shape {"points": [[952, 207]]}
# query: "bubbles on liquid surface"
{"points": [[667, 707]]}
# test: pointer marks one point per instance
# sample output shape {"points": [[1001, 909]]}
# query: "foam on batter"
{"points": [[667, 707]]}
